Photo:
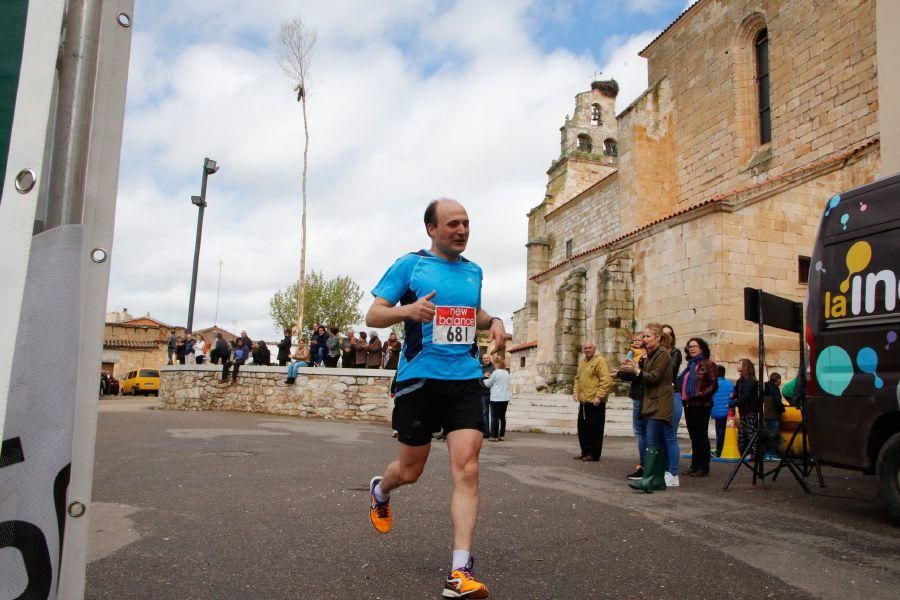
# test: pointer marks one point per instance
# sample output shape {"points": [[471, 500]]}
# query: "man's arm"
{"points": [[495, 327], [383, 314], [605, 380]]}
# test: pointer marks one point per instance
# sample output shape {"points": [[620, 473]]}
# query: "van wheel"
{"points": [[888, 470]]}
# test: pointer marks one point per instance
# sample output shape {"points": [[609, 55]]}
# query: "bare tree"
{"points": [[295, 48]]}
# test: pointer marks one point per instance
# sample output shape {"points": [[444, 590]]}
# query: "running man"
{"points": [[438, 379]]}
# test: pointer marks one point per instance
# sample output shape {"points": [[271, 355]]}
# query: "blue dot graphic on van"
{"points": [[867, 361], [835, 200], [891, 338], [845, 218], [834, 370]]}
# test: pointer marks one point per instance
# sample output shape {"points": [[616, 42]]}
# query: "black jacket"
{"points": [[284, 349]]}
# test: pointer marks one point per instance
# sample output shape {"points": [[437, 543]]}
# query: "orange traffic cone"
{"points": [[730, 452]]}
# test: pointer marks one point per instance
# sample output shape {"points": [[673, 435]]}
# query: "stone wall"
{"points": [[589, 219], [347, 394], [824, 88]]}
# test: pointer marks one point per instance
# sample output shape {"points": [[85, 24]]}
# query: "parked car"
{"points": [[141, 381]]}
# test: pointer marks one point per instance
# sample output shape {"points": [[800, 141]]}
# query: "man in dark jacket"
{"points": [[220, 351], [348, 355], [373, 360], [284, 348], [170, 346], [248, 343]]}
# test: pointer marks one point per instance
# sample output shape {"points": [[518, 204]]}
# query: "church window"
{"points": [[522, 361], [803, 264], [569, 246], [596, 115], [584, 143], [610, 148], [763, 86]]}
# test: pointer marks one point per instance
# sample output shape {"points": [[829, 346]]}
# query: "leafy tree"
{"points": [[331, 302]]}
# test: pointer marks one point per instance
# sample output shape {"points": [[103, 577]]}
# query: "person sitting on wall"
{"points": [[238, 357], [300, 358], [261, 355]]}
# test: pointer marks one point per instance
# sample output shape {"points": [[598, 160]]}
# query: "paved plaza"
{"points": [[216, 506]]}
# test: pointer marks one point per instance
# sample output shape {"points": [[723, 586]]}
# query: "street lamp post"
{"points": [[209, 167]]}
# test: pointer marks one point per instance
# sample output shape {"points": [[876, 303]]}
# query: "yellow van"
{"points": [[142, 381]]}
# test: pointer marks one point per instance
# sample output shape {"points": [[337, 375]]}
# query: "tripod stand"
{"points": [[758, 446], [782, 314], [807, 462]]}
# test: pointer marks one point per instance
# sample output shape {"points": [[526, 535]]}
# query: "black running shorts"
{"points": [[425, 406]]}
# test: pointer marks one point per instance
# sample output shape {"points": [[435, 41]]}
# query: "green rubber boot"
{"points": [[653, 472]]}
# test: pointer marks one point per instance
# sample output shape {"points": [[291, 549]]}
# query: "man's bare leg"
{"points": [[407, 468], [464, 446]]}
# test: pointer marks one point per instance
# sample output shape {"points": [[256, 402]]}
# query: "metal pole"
{"points": [[72, 130], [190, 320]]}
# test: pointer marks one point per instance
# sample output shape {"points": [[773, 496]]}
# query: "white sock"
{"points": [[460, 559], [379, 494]]}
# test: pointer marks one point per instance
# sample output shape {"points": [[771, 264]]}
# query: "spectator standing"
{"points": [[201, 348], [248, 343], [498, 384], [284, 348], [360, 349], [262, 356], [301, 359], [319, 348], [671, 451], [745, 398], [189, 350], [374, 358], [171, 343], [636, 392], [592, 384], [238, 357], [698, 383], [332, 348], [179, 350], [773, 407], [720, 407], [348, 355], [220, 351], [655, 372], [487, 367], [392, 352]]}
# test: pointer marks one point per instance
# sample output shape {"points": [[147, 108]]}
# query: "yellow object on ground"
{"points": [[730, 451]]}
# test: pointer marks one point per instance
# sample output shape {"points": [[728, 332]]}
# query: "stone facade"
{"points": [[347, 394], [696, 208]]}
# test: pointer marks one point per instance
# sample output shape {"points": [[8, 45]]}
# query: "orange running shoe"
{"points": [[461, 583], [379, 512]]}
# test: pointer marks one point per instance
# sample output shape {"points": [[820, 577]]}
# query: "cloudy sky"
{"points": [[408, 100]]}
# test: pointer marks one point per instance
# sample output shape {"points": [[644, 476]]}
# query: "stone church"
{"points": [[714, 179]]}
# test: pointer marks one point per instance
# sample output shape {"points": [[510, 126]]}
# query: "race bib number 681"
{"points": [[453, 325]]}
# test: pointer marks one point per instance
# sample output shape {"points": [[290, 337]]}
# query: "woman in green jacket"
{"points": [[654, 371]]}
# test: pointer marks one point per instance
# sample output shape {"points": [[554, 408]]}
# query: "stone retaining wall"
{"points": [[348, 394]]}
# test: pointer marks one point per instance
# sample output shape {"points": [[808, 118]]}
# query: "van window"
{"points": [[149, 373]]}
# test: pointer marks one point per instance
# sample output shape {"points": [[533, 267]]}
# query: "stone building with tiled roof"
{"points": [[714, 179], [131, 343]]}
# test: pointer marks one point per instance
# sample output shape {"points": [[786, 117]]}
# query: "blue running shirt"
{"points": [[457, 284]]}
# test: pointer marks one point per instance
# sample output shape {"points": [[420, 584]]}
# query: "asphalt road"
{"points": [[192, 505]]}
